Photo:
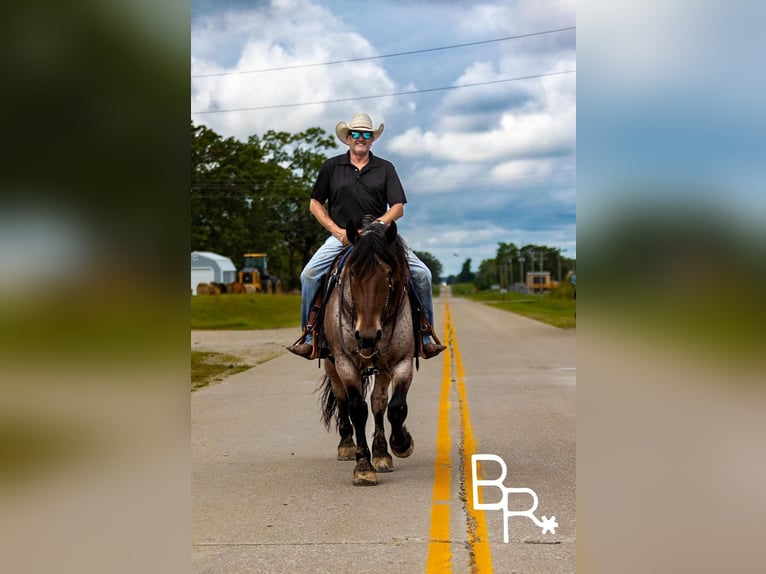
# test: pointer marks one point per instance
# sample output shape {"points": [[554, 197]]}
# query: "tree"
{"points": [[433, 264], [218, 192], [487, 275], [254, 196], [465, 275], [507, 268], [507, 273], [293, 227]]}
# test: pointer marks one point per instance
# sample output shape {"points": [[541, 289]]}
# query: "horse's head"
{"points": [[375, 270]]}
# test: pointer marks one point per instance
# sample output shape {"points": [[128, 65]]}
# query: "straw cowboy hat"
{"points": [[361, 122]]}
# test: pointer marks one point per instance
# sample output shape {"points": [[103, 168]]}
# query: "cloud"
{"points": [[515, 136], [531, 118], [480, 165], [519, 17], [286, 34]]}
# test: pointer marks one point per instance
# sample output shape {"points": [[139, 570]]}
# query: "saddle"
{"points": [[315, 325]]}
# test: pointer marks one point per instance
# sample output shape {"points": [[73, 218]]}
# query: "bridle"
{"points": [[385, 318]]}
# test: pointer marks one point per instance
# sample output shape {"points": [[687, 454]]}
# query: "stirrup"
{"points": [[426, 329]]}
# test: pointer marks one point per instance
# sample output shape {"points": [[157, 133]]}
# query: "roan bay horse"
{"points": [[368, 326]]}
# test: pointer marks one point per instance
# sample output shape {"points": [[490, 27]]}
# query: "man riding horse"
{"points": [[356, 184]]}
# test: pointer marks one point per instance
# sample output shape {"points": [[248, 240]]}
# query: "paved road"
{"points": [[269, 496]]}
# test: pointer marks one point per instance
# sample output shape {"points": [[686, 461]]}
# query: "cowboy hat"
{"points": [[361, 122]]}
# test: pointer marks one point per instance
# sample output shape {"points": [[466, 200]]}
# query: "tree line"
{"points": [[511, 264], [253, 196]]}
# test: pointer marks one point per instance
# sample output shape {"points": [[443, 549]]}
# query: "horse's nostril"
{"points": [[378, 335], [357, 335]]}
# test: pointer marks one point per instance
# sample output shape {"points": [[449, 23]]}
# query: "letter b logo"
{"points": [[546, 523]]}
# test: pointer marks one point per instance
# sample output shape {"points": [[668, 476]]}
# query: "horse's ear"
{"points": [[391, 232], [351, 232]]}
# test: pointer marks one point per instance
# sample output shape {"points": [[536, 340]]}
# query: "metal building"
{"points": [[207, 266]]}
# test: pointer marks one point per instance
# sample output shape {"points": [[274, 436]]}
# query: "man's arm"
{"points": [[319, 212], [394, 212]]}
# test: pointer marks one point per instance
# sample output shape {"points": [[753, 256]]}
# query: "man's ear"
{"points": [[391, 232], [352, 233]]}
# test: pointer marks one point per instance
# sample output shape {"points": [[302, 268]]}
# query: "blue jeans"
{"points": [[320, 263]]}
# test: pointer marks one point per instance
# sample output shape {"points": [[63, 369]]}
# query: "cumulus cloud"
{"points": [[515, 136], [284, 35], [480, 164], [519, 17]]}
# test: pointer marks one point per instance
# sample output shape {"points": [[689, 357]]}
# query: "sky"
{"points": [[480, 164]]}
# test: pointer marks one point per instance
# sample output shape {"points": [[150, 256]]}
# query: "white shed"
{"points": [[207, 266]]}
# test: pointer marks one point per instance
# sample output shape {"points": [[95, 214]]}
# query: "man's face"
{"points": [[359, 141]]}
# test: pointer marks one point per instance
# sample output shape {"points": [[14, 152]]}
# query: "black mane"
{"points": [[373, 243]]}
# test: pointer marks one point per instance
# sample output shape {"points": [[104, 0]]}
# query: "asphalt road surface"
{"points": [[268, 494]]}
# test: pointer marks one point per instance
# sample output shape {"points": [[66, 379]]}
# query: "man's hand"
{"points": [[340, 235]]}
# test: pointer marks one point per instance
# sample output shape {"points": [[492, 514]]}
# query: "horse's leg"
{"points": [[401, 441], [381, 459], [364, 472], [346, 446]]}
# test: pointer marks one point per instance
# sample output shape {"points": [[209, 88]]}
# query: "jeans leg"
{"points": [[314, 272], [421, 275]]}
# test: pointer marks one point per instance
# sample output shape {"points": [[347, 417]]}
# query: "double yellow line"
{"points": [[440, 545]]}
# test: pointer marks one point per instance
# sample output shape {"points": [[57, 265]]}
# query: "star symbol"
{"points": [[549, 524]]}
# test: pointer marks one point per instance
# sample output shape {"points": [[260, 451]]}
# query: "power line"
{"points": [[392, 55], [405, 93], [238, 187]]}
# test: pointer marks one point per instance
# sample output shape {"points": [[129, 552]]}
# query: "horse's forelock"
{"points": [[362, 259]]}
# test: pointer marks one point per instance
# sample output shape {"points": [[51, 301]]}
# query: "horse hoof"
{"points": [[365, 477], [383, 463], [346, 453], [407, 452]]}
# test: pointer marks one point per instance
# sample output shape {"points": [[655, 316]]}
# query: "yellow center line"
{"points": [[476, 522], [439, 549]]}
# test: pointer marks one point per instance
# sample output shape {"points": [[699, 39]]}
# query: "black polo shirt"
{"points": [[352, 193]]}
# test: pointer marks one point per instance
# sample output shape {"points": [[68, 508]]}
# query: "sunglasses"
{"points": [[365, 135]]}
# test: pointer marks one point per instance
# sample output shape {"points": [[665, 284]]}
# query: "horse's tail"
{"points": [[328, 402]]}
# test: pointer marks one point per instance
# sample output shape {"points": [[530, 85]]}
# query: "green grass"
{"points": [[207, 368], [462, 289], [237, 312], [559, 312], [246, 312]]}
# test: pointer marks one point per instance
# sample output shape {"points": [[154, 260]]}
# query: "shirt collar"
{"points": [[347, 159]]}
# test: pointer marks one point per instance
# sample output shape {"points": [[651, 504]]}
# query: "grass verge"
{"points": [[559, 312], [207, 368], [246, 312]]}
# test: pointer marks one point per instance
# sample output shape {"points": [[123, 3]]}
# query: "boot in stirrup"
{"points": [[431, 345]]}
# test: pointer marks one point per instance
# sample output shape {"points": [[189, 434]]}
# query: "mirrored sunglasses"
{"points": [[365, 135]]}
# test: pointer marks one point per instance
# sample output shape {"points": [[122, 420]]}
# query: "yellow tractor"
{"points": [[255, 272]]}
